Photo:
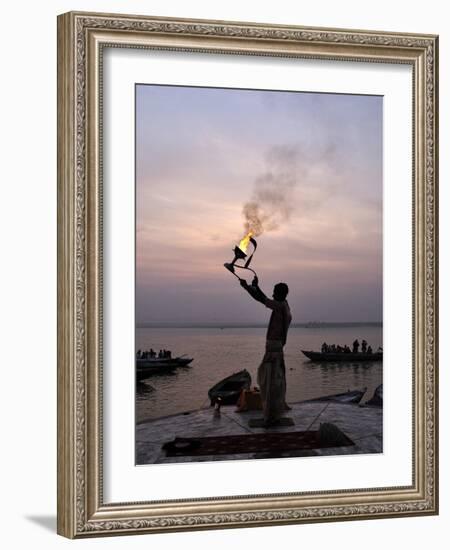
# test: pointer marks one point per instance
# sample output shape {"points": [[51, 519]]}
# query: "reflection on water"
{"points": [[219, 352]]}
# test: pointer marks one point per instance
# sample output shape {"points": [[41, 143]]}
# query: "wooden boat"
{"points": [[354, 396], [377, 399], [319, 357], [155, 365], [229, 389]]}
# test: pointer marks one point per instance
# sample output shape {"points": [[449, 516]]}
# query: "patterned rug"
{"points": [[251, 443]]}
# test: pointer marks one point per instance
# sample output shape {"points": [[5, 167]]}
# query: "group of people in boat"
{"points": [[333, 348], [151, 354]]}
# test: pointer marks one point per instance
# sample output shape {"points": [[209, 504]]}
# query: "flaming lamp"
{"points": [[240, 254]]}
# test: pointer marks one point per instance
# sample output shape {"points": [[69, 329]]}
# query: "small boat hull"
{"points": [[346, 397], [377, 399], [148, 367], [229, 389], [318, 357]]}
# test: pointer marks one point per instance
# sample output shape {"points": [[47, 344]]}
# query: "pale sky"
{"points": [[201, 153]]}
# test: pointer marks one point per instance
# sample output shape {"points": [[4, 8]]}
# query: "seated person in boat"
{"points": [[369, 349], [324, 348], [271, 372], [363, 346]]}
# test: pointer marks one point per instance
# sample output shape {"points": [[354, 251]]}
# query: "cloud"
{"points": [[312, 165]]}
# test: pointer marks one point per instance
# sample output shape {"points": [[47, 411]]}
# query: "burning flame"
{"points": [[244, 242]]}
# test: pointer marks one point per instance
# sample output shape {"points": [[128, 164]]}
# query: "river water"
{"points": [[219, 352]]}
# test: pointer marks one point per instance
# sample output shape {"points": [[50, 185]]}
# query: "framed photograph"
{"points": [[247, 274]]}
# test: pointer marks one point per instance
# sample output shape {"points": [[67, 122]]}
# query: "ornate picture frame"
{"points": [[82, 38]]}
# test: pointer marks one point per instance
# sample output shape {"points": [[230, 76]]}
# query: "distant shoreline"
{"points": [[311, 325]]}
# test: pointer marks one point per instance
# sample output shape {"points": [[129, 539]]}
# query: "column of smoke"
{"points": [[271, 203], [290, 183]]}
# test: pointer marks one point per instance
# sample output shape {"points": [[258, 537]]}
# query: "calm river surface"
{"points": [[219, 352]]}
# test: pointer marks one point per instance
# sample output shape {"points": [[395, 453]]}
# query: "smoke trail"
{"points": [[272, 200], [287, 184]]}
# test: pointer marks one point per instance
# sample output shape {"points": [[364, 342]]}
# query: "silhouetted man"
{"points": [[271, 372], [363, 346]]}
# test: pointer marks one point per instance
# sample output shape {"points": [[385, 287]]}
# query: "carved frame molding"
{"points": [[81, 39]]}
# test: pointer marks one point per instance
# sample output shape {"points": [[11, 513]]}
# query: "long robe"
{"points": [[271, 375]]}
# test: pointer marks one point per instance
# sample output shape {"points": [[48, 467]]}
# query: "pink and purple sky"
{"points": [[202, 153]]}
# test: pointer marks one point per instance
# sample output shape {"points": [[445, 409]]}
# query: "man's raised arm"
{"points": [[255, 292]]}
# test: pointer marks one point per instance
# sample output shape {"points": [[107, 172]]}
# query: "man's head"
{"points": [[280, 291]]}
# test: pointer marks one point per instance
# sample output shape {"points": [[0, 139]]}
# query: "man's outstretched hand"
{"points": [[245, 285], [255, 292]]}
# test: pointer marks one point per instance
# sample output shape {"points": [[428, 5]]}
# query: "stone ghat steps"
{"points": [[363, 425]]}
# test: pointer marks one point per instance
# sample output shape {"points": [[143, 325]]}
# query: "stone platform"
{"points": [[363, 425]]}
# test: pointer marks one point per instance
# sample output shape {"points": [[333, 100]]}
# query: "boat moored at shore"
{"points": [[155, 365], [342, 357], [353, 397], [229, 389], [377, 399]]}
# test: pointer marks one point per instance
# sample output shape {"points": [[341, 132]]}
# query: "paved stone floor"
{"points": [[364, 425]]}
